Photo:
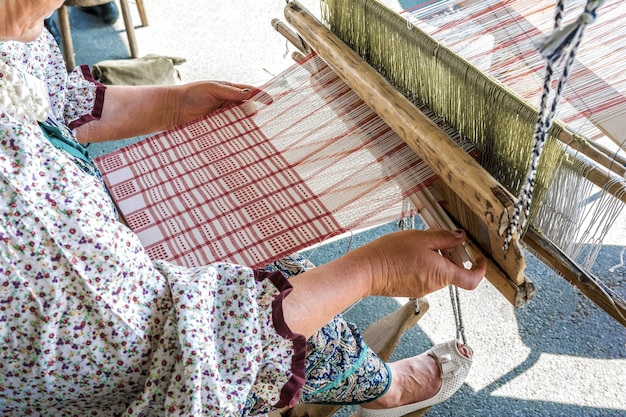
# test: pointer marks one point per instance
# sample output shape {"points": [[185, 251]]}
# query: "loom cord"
{"points": [[561, 45]]}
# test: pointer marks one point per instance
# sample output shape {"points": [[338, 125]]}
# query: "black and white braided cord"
{"points": [[561, 45]]}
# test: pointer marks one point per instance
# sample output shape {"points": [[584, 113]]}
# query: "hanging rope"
{"points": [[458, 318], [562, 44]]}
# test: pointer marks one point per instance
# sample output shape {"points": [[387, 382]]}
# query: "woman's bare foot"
{"points": [[413, 379]]}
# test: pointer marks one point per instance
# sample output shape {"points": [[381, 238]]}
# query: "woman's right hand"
{"points": [[408, 263], [401, 264]]}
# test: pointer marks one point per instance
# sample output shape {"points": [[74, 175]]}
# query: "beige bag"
{"points": [[148, 70]]}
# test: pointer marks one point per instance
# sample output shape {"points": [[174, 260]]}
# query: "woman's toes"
{"points": [[464, 350]]}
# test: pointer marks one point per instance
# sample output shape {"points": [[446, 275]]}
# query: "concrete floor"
{"points": [[558, 356]]}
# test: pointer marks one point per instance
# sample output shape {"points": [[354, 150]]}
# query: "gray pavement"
{"points": [[558, 356]]}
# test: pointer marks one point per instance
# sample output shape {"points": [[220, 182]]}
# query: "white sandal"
{"points": [[454, 368]]}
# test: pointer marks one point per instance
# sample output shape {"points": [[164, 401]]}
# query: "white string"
{"points": [[456, 309], [600, 217], [575, 214], [621, 261]]}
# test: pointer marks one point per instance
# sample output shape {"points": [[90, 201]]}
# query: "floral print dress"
{"points": [[90, 326]]}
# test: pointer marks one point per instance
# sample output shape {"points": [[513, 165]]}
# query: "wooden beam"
{"points": [[590, 286]]}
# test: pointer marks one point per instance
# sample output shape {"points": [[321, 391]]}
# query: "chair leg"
{"points": [[130, 29], [66, 37], [66, 34], [383, 337], [142, 13]]}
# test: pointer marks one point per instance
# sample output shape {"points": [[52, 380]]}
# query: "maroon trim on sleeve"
{"points": [[290, 393], [96, 112]]}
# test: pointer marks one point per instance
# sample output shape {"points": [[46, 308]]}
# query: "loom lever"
{"points": [[291, 36]]}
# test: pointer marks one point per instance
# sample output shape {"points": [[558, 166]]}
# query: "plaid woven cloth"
{"points": [[303, 160]]}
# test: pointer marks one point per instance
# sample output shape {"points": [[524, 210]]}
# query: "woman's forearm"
{"points": [[131, 111], [401, 264], [321, 293]]}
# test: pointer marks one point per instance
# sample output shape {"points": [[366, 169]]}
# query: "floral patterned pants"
{"points": [[340, 367]]}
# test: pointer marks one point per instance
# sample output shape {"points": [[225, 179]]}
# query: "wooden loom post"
{"points": [[485, 197], [596, 155], [590, 286], [608, 174]]}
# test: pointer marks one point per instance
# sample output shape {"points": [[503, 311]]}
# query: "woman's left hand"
{"points": [[200, 98], [131, 111]]}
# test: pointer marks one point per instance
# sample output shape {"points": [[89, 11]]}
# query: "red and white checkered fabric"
{"points": [[303, 160]]}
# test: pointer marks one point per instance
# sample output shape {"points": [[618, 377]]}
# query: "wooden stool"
{"points": [[66, 35]]}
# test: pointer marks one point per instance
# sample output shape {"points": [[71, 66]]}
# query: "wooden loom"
{"points": [[463, 181], [461, 177]]}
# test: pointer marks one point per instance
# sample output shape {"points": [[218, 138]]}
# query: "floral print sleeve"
{"points": [[75, 98], [84, 98]]}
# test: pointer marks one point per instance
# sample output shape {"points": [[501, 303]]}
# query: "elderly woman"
{"points": [[90, 326]]}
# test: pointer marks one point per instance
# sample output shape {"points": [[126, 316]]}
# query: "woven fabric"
{"points": [[303, 160]]}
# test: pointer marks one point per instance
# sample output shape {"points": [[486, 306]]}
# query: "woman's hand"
{"points": [[200, 98], [402, 264], [408, 263]]}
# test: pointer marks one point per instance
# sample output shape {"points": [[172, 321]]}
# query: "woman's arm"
{"points": [[401, 264], [131, 111]]}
